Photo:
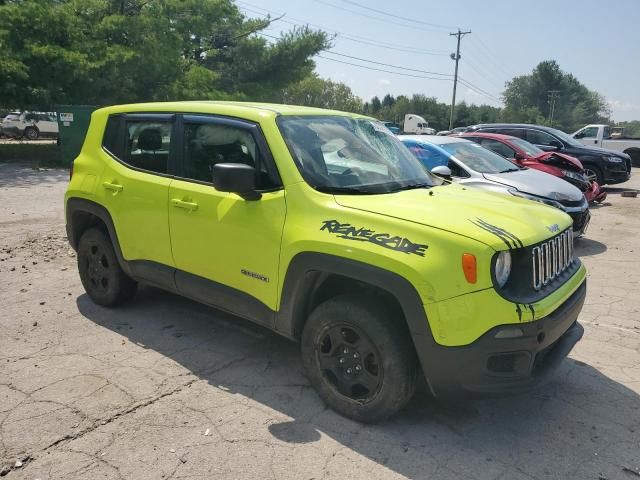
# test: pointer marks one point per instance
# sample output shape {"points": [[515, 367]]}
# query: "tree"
{"points": [[529, 98], [115, 51], [317, 92]]}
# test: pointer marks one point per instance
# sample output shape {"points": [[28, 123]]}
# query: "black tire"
{"points": [[31, 133], [354, 334], [594, 173], [100, 273], [635, 157]]}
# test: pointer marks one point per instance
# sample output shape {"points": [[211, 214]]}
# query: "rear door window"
{"points": [[148, 145], [498, 147], [538, 137]]}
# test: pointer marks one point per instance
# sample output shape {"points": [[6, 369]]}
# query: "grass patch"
{"points": [[33, 154]]}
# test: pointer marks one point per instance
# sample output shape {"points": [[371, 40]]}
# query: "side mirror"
{"points": [[518, 156], [442, 171], [236, 178], [555, 145]]}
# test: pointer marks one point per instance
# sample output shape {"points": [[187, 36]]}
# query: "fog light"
{"points": [[514, 332]]}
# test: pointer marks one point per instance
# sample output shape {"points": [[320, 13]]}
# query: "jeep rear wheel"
{"points": [[100, 273], [358, 356], [31, 133]]}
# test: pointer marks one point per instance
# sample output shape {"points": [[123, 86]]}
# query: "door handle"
{"points": [[114, 187], [191, 206]]}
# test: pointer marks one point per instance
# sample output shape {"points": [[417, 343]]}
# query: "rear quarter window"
{"points": [[110, 139]]}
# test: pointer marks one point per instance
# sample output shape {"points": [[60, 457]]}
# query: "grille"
{"points": [[552, 258]]}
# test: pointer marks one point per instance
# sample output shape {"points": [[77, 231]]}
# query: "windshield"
{"points": [[479, 158], [565, 138], [529, 148], [351, 155]]}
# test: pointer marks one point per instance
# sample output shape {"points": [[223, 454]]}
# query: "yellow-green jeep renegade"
{"points": [[322, 226]]}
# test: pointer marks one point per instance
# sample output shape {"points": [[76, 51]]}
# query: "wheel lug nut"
{"points": [[356, 355], [349, 371], [341, 360], [358, 368], [345, 351]]}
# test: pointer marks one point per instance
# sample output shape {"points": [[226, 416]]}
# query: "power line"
{"points": [[413, 20], [442, 76], [483, 50], [345, 36], [388, 64], [386, 21], [382, 70], [478, 90]]}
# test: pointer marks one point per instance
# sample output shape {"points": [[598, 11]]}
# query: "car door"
{"points": [[588, 136], [134, 187], [226, 249], [544, 141]]}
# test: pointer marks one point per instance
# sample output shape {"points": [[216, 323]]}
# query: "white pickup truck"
{"points": [[600, 136]]}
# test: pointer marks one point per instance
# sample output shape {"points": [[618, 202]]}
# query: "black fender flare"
{"points": [[82, 205], [302, 276]]}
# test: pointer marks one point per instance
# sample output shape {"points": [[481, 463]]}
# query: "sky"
{"points": [[597, 44]]}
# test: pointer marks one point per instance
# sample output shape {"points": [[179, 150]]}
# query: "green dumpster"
{"points": [[73, 122]]}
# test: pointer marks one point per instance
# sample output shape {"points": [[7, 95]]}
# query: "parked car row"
{"points": [[30, 125], [325, 228]]}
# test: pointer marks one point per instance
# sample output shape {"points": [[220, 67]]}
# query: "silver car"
{"points": [[469, 163]]}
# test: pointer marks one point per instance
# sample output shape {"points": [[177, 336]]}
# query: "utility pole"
{"points": [[456, 57], [553, 96]]}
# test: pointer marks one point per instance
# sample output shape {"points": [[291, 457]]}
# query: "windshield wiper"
{"points": [[347, 190], [509, 170], [413, 186]]}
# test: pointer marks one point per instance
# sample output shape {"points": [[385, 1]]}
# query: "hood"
{"points": [[559, 160], [594, 151], [537, 183], [484, 216]]}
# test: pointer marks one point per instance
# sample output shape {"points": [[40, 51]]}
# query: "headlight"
{"points": [[574, 175], [535, 198], [502, 268], [614, 159]]}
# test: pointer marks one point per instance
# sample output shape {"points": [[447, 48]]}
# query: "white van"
{"points": [[416, 125], [30, 125]]}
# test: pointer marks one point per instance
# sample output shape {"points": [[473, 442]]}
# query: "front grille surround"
{"points": [[551, 258], [540, 269]]}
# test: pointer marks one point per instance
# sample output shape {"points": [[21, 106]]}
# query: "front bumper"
{"points": [[580, 222], [595, 193], [502, 365], [618, 174]]}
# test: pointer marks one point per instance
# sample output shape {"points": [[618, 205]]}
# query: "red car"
{"points": [[526, 154]]}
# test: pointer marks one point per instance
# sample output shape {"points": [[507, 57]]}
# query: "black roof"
{"points": [[510, 125]]}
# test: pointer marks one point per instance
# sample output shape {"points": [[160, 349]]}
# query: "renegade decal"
{"points": [[255, 275], [349, 232], [507, 237]]}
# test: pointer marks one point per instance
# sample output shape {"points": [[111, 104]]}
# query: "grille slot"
{"points": [[551, 258]]}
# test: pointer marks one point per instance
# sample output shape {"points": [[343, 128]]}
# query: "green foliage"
{"points": [[317, 92], [115, 51], [631, 129], [526, 99], [434, 112]]}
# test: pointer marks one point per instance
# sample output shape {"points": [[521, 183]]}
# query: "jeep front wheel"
{"points": [[100, 273], [358, 355]]}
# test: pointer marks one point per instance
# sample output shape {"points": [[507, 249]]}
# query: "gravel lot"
{"points": [[167, 388]]}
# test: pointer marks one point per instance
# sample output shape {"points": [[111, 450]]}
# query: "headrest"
{"points": [[150, 139]]}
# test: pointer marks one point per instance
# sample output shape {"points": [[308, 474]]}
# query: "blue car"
{"points": [[393, 127]]}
